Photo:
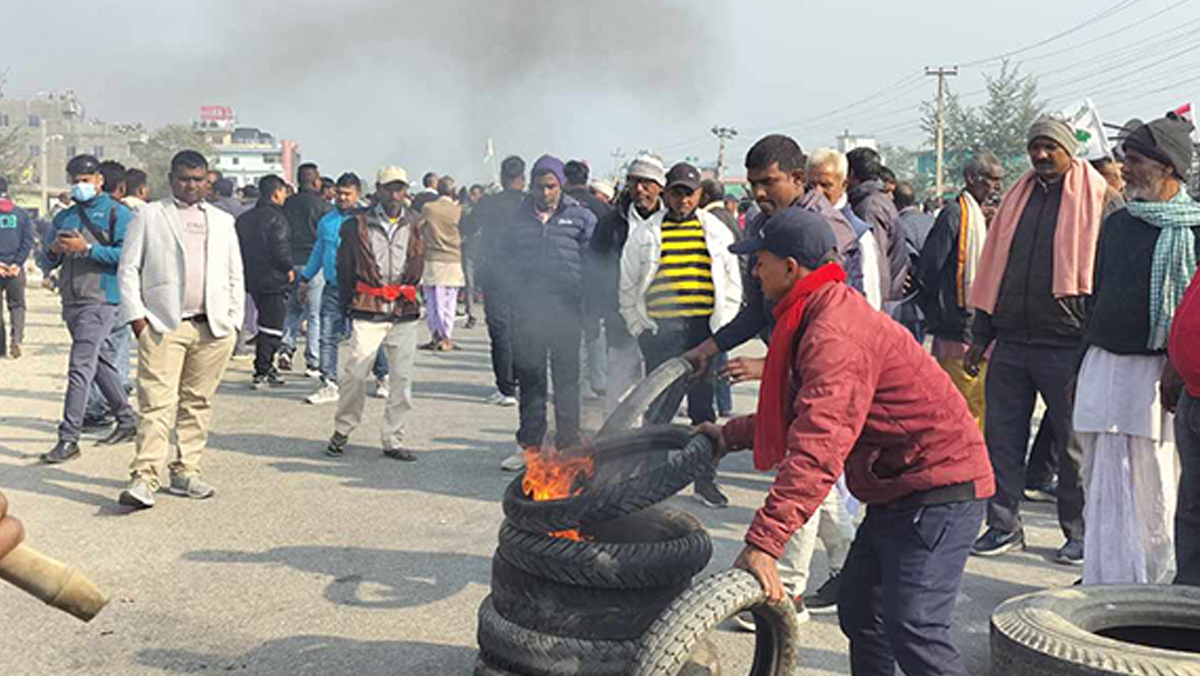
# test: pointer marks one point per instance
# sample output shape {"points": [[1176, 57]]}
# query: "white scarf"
{"points": [[972, 234]]}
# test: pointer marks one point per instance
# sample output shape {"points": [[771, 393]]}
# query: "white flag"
{"points": [[1089, 131], [491, 151]]}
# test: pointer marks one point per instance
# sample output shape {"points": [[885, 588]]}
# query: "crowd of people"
{"points": [[908, 343]]}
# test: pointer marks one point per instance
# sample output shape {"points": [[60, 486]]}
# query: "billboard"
{"points": [[216, 113]]}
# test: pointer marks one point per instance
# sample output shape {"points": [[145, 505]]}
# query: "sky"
{"points": [[362, 83]]}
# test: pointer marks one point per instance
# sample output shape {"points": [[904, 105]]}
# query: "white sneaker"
{"points": [[326, 394], [509, 401], [382, 391], [514, 462], [501, 399], [494, 398], [312, 372]]}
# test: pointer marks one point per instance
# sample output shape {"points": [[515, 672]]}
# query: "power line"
{"points": [[1109, 34], [1115, 9]]}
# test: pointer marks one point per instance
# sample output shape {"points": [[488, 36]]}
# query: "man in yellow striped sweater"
{"points": [[679, 284]]}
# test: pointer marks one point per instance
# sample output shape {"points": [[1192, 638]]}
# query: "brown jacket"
{"points": [[378, 271], [439, 229]]}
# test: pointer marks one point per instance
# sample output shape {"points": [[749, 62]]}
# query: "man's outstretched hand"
{"points": [[764, 567], [713, 431], [11, 531], [699, 356], [744, 369]]}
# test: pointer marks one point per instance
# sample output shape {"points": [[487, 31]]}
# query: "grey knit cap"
{"points": [[1056, 129]]}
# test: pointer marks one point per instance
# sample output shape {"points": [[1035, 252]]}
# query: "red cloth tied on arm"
{"points": [[772, 418]]}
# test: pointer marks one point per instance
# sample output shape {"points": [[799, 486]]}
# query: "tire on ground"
{"points": [[531, 653], [606, 500], [637, 402], [1057, 631], [655, 547], [683, 627], [576, 612]]}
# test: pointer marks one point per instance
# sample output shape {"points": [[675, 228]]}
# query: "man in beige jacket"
{"points": [[182, 290], [443, 264]]}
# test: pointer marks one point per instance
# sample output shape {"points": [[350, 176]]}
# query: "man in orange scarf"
{"points": [[1033, 278], [845, 388]]}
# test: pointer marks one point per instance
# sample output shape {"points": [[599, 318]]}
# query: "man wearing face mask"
{"points": [[640, 205], [87, 243], [1029, 298]]}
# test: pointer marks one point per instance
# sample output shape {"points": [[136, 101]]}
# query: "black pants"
{"points": [[548, 330], [272, 310], [13, 290], [498, 312], [899, 586], [1016, 375], [1043, 457], [674, 337], [1187, 513]]}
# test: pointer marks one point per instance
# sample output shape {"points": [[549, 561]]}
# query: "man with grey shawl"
{"points": [[1146, 258]]}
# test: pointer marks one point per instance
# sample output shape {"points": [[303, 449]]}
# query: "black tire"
{"points": [[576, 612], [609, 499], [532, 653], [656, 547], [670, 641], [1059, 632], [638, 401], [484, 668]]}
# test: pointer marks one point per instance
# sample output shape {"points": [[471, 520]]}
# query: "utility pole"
{"points": [[940, 132], [617, 154], [723, 134]]}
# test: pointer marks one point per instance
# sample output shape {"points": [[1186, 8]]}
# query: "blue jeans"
{"points": [[899, 587], [300, 313], [334, 328]]}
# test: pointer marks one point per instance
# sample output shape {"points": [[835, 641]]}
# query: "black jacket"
{"points": [[266, 251], [1119, 308], [593, 204], [936, 277], [604, 261], [553, 254], [494, 219], [303, 211], [1026, 310]]}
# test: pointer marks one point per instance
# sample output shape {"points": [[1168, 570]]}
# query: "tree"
{"points": [[156, 152], [903, 161], [999, 125]]}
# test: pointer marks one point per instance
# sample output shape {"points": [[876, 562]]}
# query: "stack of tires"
{"points": [[564, 607]]}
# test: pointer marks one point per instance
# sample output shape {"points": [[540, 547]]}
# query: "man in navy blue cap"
{"points": [[845, 388]]}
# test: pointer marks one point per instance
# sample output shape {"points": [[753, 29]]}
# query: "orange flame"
{"points": [[551, 476]]}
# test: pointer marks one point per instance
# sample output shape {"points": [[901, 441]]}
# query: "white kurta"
{"points": [[1130, 469]]}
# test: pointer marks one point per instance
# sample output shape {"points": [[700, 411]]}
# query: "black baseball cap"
{"points": [[793, 233], [685, 175], [83, 164]]}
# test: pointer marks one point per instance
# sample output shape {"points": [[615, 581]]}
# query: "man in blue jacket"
{"points": [[87, 246], [16, 241]]}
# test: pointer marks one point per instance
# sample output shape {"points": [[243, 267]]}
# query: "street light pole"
{"points": [[940, 131]]}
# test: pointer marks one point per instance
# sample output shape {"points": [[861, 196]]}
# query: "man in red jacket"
{"points": [[845, 388]]}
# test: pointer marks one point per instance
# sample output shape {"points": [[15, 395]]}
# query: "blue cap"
{"points": [[793, 233]]}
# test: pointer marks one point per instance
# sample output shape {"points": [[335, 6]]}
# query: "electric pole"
{"points": [[617, 155], [723, 134], [940, 131]]}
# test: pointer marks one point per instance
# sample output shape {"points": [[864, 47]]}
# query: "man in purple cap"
{"points": [[552, 233]]}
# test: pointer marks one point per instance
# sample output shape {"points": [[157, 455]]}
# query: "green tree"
{"points": [[154, 155], [903, 161], [999, 125]]}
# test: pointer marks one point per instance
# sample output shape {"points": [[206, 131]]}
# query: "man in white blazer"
{"points": [[183, 292]]}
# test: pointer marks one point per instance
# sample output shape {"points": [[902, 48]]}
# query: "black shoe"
{"points": [[996, 542], [1048, 493], [825, 600], [285, 361], [271, 379], [119, 436], [1071, 554], [401, 454], [709, 495], [337, 445], [93, 424], [62, 452]]}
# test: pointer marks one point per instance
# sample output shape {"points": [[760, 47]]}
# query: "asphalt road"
{"points": [[304, 564]]}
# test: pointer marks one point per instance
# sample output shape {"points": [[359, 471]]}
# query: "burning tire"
{"points": [[656, 547], [576, 612], [512, 647], [620, 496], [1141, 629], [676, 634]]}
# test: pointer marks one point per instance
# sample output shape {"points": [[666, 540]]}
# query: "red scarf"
{"points": [[772, 419]]}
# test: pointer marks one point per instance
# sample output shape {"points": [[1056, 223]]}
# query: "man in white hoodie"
{"points": [[680, 284]]}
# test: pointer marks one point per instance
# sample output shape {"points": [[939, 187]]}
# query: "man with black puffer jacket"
{"points": [[270, 272]]}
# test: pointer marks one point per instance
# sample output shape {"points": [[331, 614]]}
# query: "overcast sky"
{"points": [[359, 83]]}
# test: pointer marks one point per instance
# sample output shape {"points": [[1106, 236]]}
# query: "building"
{"points": [[245, 154], [847, 142], [46, 131]]}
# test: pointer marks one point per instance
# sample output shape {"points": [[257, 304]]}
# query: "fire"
{"points": [[551, 476]]}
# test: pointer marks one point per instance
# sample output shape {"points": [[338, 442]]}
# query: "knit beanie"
{"points": [[650, 167], [1167, 140], [1056, 129], [549, 164]]}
